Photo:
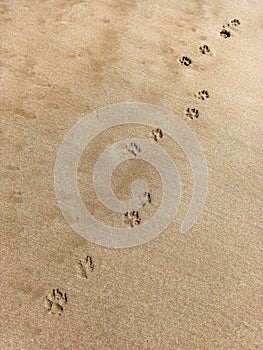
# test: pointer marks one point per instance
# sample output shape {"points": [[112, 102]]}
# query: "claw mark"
{"points": [[192, 113], [132, 219], [86, 266], [185, 61], [204, 49], [55, 302], [133, 148], [156, 134]]}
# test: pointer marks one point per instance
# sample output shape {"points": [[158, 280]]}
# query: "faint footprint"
{"points": [[55, 302], [132, 219], [156, 134], [86, 266], [105, 20], [202, 95], [13, 166], [146, 198], [133, 148], [192, 113], [24, 113], [75, 55], [185, 61], [17, 197], [204, 49], [225, 33]]}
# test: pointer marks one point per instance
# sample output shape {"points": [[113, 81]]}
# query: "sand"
{"points": [[61, 60]]}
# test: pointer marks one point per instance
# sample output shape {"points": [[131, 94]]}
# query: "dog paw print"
{"points": [[185, 61], [55, 302], [86, 266], [146, 198], [133, 149], [234, 23], [204, 49], [192, 113], [132, 218], [225, 33], [202, 95], [156, 134]]}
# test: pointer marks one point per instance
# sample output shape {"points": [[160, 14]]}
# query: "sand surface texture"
{"points": [[60, 60]]}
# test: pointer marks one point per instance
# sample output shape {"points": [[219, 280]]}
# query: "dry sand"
{"points": [[61, 60]]}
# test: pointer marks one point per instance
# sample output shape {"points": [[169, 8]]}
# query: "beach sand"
{"points": [[61, 60]]}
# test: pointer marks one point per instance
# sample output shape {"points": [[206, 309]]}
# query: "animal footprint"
{"points": [[86, 266], [225, 33], [204, 49], [192, 113], [55, 302], [202, 95], [132, 219], [234, 23], [133, 148], [146, 198], [185, 61], [156, 134]]}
